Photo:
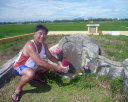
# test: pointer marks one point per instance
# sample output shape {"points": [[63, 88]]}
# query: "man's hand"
{"points": [[59, 69]]}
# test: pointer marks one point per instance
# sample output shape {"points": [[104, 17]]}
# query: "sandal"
{"points": [[17, 95]]}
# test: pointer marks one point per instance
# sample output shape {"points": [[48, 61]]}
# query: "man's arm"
{"points": [[49, 55], [31, 51]]}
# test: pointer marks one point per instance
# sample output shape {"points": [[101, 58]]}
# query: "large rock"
{"points": [[82, 50], [104, 66], [79, 49]]}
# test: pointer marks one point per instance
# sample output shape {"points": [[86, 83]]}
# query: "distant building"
{"points": [[93, 29]]}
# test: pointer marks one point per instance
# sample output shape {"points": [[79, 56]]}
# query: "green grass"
{"points": [[13, 30], [113, 26], [18, 29], [10, 49], [113, 47], [64, 90]]}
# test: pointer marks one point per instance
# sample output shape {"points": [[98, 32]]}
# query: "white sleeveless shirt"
{"points": [[29, 62]]}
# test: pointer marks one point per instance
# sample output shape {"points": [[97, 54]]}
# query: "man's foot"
{"points": [[15, 96]]}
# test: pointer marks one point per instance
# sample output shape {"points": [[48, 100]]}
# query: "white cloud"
{"points": [[61, 9]]}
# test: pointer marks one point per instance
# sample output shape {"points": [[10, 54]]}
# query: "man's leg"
{"points": [[40, 70], [27, 75]]}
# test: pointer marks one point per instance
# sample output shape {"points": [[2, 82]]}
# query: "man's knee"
{"points": [[31, 74]]}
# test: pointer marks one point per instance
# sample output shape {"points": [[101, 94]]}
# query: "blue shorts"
{"points": [[19, 69]]}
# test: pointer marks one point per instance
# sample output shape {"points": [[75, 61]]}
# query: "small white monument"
{"points": [[93, 29]]}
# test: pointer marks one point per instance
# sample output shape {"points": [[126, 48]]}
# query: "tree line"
{"points": [[63, 21]]}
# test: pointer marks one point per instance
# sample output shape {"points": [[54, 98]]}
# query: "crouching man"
{"points": [[29, 62]]}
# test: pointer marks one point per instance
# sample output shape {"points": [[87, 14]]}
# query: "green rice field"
{"points": [[19, 29]]}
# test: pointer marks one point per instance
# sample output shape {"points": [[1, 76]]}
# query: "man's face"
{"points": [[40, 36]]}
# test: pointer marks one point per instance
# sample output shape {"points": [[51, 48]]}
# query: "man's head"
{"points": [[41, 27], [40, 33]]}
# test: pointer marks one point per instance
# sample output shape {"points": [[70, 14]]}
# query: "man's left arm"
{"points": [[49, 55]]}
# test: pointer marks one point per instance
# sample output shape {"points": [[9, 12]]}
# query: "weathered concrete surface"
{"points": [[125, 76], [78, 49], [104, 66], [6, 70], [76, 46]]}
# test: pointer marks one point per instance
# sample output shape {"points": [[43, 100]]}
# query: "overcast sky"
{"points": [[27, 10]]}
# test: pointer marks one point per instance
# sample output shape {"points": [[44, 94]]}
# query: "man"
{"points": [[30, 62]]}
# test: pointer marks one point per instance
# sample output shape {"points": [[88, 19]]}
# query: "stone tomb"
{"points": [[82, 50]]}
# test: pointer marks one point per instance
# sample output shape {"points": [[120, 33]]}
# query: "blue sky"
{"points": [[27, 10]]}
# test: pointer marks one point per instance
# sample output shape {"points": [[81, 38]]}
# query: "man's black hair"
{"points": [[41, 27]]}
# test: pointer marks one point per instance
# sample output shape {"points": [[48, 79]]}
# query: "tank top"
{"points": [[27, 60]]}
